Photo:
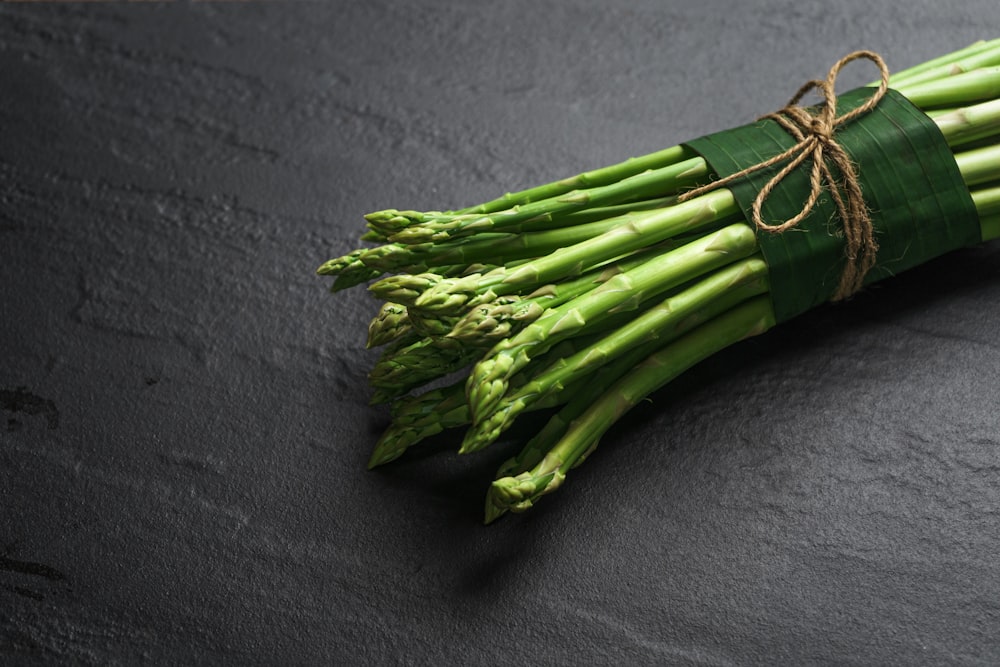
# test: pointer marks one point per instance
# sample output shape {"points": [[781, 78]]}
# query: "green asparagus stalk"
{"points": [[969, 124], [578, 401], [498, 248], [595, 178], [488, 380], [488, 323], [400, 370], [987, 202], [636, 233], [675, 315], [521, 492], [975, 85], [415, 418], [580, 395], [990, 226], [979, 165], [980, 54], [648, 184]]}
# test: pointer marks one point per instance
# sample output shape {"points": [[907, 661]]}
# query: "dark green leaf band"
{"points": [[920, 206]]}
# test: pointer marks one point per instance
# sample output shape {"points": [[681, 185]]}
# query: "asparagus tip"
{"points": [[493, 511], [391, 446], [381, 216], [520, 493]]}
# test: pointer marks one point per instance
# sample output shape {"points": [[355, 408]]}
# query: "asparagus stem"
{"points": [[522, 491], [504, 316], [523, 245], [415, 418], [987, 201], [990, 226], [968, 124], [638, 231], [979, 165], [944, 59], [593, 178], [675, 315], [579, 396], [541, 222], [591, 214], [498, 248], [489, 378], [981, 54], [654, 183], [977, 85]]}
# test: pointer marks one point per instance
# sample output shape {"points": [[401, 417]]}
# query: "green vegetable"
{"points": [[588, 293]]}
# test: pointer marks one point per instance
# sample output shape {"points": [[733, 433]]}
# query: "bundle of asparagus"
{"points": [[587, 294]]}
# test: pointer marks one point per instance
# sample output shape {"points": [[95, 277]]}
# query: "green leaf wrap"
{"points": [[919, 204]]}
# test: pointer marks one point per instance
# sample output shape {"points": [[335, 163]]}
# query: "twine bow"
{"points": [[814, 133]]}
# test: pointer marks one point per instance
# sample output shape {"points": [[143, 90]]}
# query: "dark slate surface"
{"points": [[185, 423]]}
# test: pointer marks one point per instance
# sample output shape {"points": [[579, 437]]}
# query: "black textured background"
{"points": [[185, 420]]}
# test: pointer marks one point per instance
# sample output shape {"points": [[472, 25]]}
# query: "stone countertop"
{"points": [[185, 417]]}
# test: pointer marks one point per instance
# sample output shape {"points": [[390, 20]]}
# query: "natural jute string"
{"points": [[815, 136]]}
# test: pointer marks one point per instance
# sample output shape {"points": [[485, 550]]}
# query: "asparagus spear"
{"points": [[400, 370], [987, 202], [946, 65], [497, 248], [978, 55], [430, 413], [652, 183], [975, 85], [579, 396], [419, 417], [391, 323], [520, 492], [578, 401], [489, 378], [969, 124], [979, 165], [489, 322], [641, 230], [415, 418], [676, 314], [593, 178]]}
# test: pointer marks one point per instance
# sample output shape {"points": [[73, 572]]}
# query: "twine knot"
{"points": [[815, 137], [821, 130]]}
